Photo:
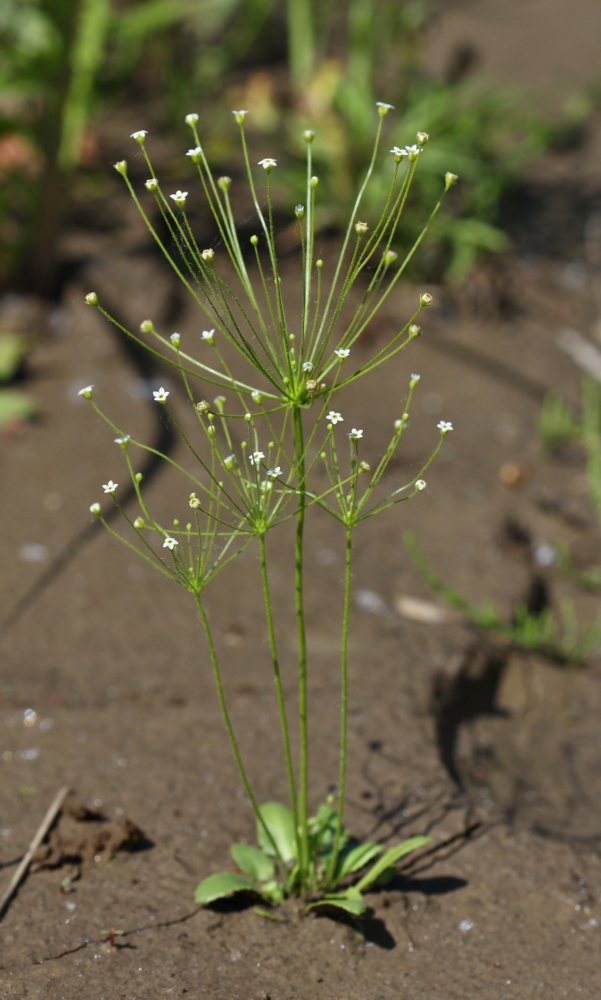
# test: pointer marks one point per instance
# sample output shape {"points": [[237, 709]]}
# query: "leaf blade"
{"points": [[390, 858], [220, 886], [253, 862], [280, 824]]}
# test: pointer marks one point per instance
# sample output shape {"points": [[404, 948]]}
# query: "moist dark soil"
{"points": [[106, 684]]}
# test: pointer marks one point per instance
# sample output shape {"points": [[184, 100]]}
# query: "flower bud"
{"points": [[194, 502], [96, 509], [308, 135], [415, 330], [138, 477], [230, 462], [319, 264], [248, 417], [139, 523], [425, 299], [389, 257], [121, 167], [420, 485], [175, 339], [91, 299], [361, 228], [254, 240], [203, 406], [299, 211], [422, 138], [311, 385], [151, 184], [147, 326], [256, 397], [449, 180], [224, 183], [314, 182], [240, 116], [191, 119], [208, 255], [363, 467]]}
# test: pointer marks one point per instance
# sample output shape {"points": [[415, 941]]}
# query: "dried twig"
{"points": [[42, 830]]}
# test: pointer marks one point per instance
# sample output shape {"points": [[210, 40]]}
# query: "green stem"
{"points": [[302, 652], [280, 695], [343, 706], [232, 738]]}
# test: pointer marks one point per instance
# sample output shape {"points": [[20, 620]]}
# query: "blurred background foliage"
{"points": [[65, 65]]}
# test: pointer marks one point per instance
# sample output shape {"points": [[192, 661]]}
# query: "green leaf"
{"points": [[278, 820], [253, 861], [269, 915], [15, 407], [273, 891], [355, 905], [390, 858], [13, 348], [356, 858], [220, 886]]}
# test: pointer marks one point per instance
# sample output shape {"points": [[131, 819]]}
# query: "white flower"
{"points": [[307, 366], [420, 484], [110, 487], [274, 473], [208, 254], [139, 136], [268, 164], [95, 509], [398, 153], [413, 152], [383, 108], [355, 435], [333, 417], [123, 441], [179, 198], [170, 543], [175, 339], [256, 457], [194, 502], [342, 353], [444, 427], [86, 392], [239, 116], [160, 395], [191, 119], [415, 379], [151, 184], [195, 154], [209, 336]]}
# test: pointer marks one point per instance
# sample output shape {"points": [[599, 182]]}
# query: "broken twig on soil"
{"points": [[42, 830]]}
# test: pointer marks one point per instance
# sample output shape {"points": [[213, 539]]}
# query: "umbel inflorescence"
{"points": [[270, 441]]}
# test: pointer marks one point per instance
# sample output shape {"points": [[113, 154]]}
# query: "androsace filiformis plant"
{"points": [[282, 393]]}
